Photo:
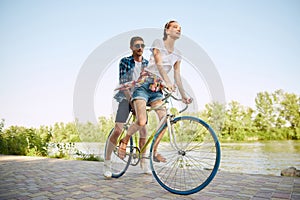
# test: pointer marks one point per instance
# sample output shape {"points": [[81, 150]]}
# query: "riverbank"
{"points": [[268, 157], [44, 178]]}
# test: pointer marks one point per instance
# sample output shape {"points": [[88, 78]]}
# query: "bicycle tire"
{"points": [[192, 161], [119, 166]]}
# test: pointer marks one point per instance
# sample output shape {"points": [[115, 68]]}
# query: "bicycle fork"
{"points": [[172, 134]]}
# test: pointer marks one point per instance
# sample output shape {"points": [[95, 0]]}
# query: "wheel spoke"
{"points": [[195, 161]]}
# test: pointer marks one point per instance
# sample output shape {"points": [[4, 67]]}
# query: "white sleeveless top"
{"points": [[168, 59]]}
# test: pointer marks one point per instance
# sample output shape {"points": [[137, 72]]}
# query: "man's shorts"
{"points": [[123, 111], [143, 92]]}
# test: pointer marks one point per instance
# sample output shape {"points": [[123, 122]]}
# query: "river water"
{"points": [[252, 158], [260, 157]]}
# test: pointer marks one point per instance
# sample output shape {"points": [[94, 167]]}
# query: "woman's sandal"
{"points": [[122, 149], [159, 158]]}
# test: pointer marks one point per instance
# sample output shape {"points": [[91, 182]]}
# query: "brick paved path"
{"points": [[44, 178]]}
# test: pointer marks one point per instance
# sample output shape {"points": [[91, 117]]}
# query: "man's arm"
{"points": [[123, 77]]}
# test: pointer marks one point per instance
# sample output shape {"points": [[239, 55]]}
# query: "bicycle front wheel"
{"points": [[192, 153], [118, 166]]}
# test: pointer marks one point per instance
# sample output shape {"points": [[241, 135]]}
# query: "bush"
{"points": [[22, 141]]}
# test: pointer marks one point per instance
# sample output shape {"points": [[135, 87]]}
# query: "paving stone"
{"points": [[44, 178]]}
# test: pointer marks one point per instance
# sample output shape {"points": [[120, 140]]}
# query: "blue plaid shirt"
{"points": [[126, 67]]}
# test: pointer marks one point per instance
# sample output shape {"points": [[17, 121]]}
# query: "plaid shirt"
{"points": [[126, 68]]}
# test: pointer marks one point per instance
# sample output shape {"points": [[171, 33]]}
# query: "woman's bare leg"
{"points": [[143, 137], [161, 113]]}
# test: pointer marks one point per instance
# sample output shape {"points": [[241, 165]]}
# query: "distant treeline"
{"points": [[276, 116]]}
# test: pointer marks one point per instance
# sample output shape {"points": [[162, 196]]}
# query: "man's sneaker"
{"points": [[107, 169], [145, 166]]}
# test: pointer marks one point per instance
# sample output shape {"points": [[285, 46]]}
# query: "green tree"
{"points": [[19, 140], [291, 113], [248, 123], [265, 119], [2, 125], [238, 123], [62, 132], [58, 132], [2, 139], [278, 115], [15, 141], [232, 118], [105, 125], [278, 97], [90, 132], [215, 116]]}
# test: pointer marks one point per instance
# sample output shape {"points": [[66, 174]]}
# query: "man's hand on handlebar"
{"points": [[170, 87]]}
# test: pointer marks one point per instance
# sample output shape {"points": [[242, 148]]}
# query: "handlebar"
{"points": [[170, 94]]}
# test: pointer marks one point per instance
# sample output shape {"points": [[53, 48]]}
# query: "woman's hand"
{"points": [[187, 100]]}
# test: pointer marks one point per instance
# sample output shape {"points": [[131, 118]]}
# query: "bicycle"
{"points": [[190, 146]]}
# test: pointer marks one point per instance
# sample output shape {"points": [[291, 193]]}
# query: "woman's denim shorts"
{"points": [[143, 92]]}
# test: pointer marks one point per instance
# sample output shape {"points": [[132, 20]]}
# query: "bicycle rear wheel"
{"points": [[192, 155], [118, 166]]}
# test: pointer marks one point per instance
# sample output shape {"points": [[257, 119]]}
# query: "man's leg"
{"points": [[110, 147], [113, 140], [121, 117], [141, 119]]}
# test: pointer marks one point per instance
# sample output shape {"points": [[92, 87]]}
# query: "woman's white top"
{"points": [[168, 59]]}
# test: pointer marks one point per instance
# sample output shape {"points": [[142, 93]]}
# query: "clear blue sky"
{"points": [[255, 46]]}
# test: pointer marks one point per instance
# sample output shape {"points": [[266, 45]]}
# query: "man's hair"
{"points": [[133, 39]]}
